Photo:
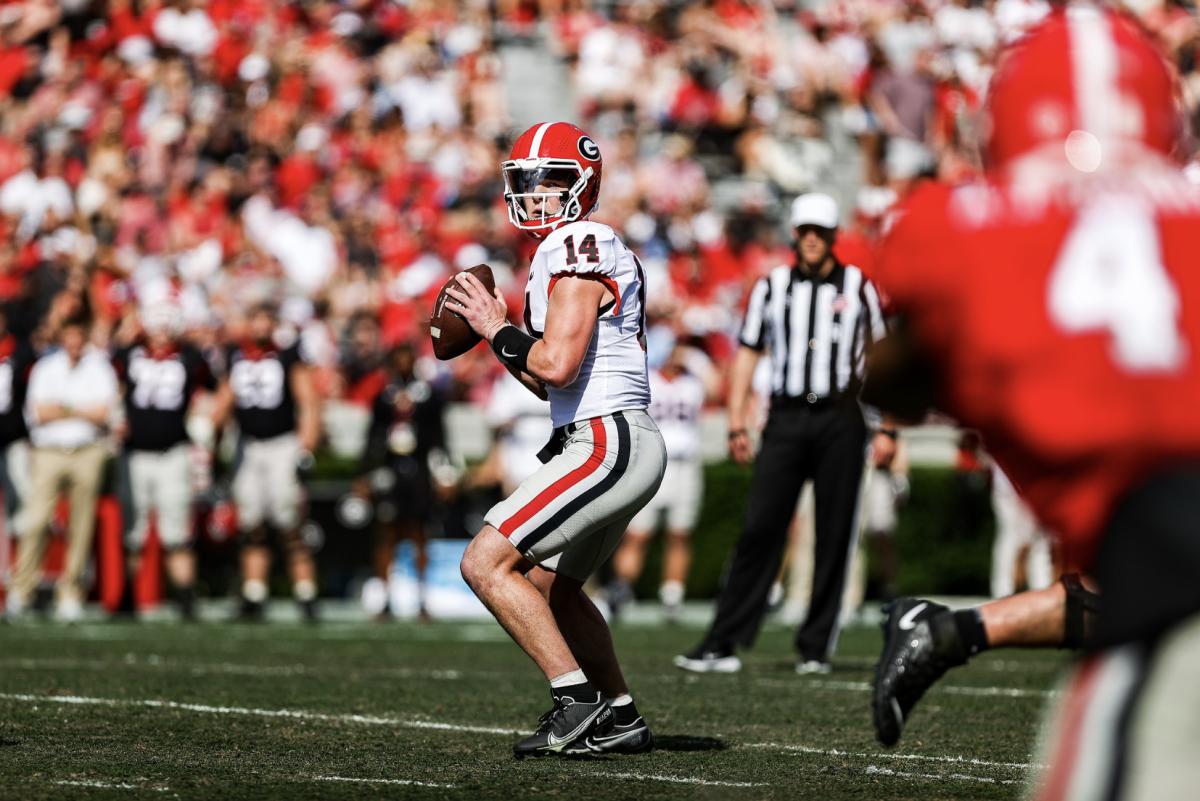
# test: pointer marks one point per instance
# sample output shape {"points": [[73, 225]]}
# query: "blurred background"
{"points": [[340, 159]]}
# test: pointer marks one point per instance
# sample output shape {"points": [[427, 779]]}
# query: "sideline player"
{"points": [[159, 377], [270, 392], [677, 398], [585, 317], [1054, 307]]}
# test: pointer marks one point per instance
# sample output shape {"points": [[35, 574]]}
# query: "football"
{"points": [[451, 334]]}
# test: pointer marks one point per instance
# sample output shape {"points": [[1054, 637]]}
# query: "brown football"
{"points": [[451, 334]]}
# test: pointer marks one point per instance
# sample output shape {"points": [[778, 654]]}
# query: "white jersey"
{"points": [[612, 376], [675, 407]]}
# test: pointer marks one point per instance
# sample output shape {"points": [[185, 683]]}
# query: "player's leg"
{"points": [[923, 640], [681, 519], [580, 491], [86, 475], [285, 511], [136, 476], [779, 472], [173, 502], [494, 571], [630, 558], [250, 497]]}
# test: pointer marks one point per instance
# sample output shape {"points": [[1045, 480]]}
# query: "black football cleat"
{"points": [[920, 643], [567, 724], [629, 735]]}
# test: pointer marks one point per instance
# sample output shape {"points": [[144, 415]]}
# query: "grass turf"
{"points": [[126, 711]]}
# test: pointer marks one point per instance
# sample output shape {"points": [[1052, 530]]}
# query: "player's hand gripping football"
{"points": [[485, 313]]}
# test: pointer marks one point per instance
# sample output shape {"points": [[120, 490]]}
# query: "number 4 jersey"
{"points": [[612, 376], [158, 387], [1064, 320]]}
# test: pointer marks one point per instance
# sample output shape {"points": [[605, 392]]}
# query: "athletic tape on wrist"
{"points": [[512, 345]]}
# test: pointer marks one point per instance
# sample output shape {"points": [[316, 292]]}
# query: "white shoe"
{"points": [[813, 666], [14, 606], [68, 610], [701, 661]]}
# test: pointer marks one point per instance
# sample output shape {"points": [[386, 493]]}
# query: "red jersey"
{"points": [[1063, 314]]}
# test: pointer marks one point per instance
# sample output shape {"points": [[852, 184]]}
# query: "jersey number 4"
{"points": [[1110, 276]]}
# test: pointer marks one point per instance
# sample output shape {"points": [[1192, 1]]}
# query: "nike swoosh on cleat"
{"points": [[553, 742], [910, 617], [613, 738]]}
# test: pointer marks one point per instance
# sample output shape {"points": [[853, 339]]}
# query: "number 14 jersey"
{"points": [[613, 374], [1063, 315]]}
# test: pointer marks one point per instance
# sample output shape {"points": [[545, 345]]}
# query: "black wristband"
{"points": [[512, 345]]}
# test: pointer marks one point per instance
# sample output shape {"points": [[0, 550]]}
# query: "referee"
{"points": [[816, 318]]}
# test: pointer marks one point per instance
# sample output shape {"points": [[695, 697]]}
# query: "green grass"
{"points": [[232, 744]]}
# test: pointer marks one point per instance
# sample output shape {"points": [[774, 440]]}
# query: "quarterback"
{"points": [[583, 349]]}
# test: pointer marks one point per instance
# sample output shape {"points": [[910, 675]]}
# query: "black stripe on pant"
{"points": [[826, 445]]}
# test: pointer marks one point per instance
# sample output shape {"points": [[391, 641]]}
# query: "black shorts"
{"points": [[411, 495], [1148, 563]]}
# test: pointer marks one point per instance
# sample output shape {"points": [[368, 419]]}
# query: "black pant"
{"points": [[825, 444]]}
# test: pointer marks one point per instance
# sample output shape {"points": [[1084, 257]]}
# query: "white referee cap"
{"points": [[814, 209]]}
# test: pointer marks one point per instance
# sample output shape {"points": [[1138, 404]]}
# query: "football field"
{"points": [[404, 710]]}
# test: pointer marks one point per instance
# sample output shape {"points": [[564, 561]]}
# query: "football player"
{"points": [[159, 376], [584, 349], [270, 392], [406, 432], [1054, 306]]}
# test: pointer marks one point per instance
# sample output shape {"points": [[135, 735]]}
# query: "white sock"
{"points": [[568, 679], [671, 593], [305, 590], [254, 591], [620, 700]]}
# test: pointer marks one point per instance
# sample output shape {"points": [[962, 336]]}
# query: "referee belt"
{"points": [[810, 401]]}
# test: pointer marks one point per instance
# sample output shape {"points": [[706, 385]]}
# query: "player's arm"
{"points": [[308, 407], [570, 324], [741, 379], [222, 406]]}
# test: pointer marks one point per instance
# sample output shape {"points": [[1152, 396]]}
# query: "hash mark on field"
{"points": [[954, 760], [659, 777], [401, 782], [940, 777]]}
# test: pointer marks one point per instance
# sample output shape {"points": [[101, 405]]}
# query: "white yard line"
{"points": [[938, 777], [801, 682], [399, 782], [952, 760], [658, 777], [297, 714], [109, 785]]}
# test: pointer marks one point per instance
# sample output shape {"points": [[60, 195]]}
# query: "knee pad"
{"points": [[1082, 607]]}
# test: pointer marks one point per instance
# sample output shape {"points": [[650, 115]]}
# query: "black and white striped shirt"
{"points": [[817, 330]]}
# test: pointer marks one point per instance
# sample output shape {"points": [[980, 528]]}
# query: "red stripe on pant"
{"points": [[523, 515], [1066, 753]]}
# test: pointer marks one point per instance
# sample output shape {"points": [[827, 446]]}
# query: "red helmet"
{"points": [[551, 154], [1086, 84]]}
